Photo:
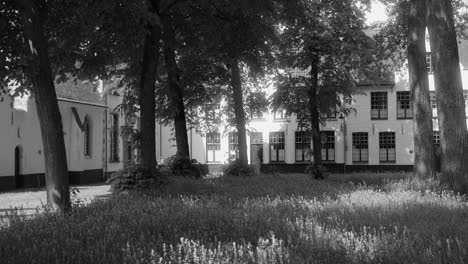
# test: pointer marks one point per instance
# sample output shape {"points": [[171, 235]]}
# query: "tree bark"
{"points": [[147, 96], [424, 165], [449, 95], [314, 113], [50, 119], [239, 111], [175, 89]]}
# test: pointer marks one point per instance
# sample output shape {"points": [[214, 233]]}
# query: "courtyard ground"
{"points": [[288, 218], [29, 201]]}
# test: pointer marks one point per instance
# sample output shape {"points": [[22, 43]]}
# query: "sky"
{"points": [[377, 13]]}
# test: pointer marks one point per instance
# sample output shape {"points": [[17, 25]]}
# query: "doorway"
{"points": [[18, 160]]}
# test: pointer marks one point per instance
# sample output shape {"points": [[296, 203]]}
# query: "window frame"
{"points": [[86, 137], [114, 137], [304, 145], [277, 143], [436, 137], [329, 144], [429, 66], [358, 145], [386, 143], [404, 97], [233, 140], [379, 102], [213, 144]]}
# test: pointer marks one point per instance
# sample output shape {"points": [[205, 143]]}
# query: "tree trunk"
{"points": [[239, 111], [314, 113], [147, 96], [175, 90], [449, 95], [50, 120], [424, 165]]}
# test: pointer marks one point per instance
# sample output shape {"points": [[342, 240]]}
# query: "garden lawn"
{"points": [[265, 219]]}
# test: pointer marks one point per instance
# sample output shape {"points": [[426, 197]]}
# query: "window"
{"points": [[87, 137], [360, 147], [257, 114], [465, 97], [276, 146], [379, 105], [436, 137], [433, 103], [213, 147], [429, 62], [331, 115], [233, 144], [328, 145], [211, 110], [387, 147], [404, 105], [114, 138], [279, 114], [303, 145]]}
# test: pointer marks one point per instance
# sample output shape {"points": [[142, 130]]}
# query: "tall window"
{"points": [[211, 110], [303, 145], [360, 147], [428, 62], [379, 109], [436, 137], [433, 103], [213, 147], [114, 138], [87, 137], [233, 144], [276, 146], [404, 105], [387, 147], [328, 145]]}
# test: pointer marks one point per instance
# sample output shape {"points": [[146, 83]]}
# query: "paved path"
{"points": [[28, 201]]}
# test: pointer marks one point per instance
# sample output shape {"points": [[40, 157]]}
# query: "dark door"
{"points": [[18, 178]]}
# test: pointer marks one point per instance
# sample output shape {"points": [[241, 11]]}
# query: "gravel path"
{"points": [[29, 201]]}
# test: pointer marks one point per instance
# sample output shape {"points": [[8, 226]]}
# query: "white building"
{"points": [[93, 137], [379, 137]]}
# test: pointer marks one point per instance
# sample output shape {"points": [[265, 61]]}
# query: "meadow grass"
{"points": [[287, 218]]}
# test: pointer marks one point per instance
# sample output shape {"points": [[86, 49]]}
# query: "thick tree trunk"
{"points": [[314, 113], [147, 96], [175, 90], [449, 95], [419, 83], [50, 120], [239, 111]]}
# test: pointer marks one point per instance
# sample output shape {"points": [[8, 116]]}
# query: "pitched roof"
{"points": [[84, 91]]}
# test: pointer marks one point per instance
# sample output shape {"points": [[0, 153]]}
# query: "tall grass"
{"points": [[265, 219]]}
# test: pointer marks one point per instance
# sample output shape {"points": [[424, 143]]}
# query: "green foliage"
{"points": [[282, 219], [235, 168], [317, 172], [137, 178], [186, 167]]}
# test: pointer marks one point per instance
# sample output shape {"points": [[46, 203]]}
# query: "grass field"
{"points": [[265, 219]]}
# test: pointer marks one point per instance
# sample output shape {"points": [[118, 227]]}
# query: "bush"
{"points": [[136, 177], [319, 172], [236, 169], [183, 166]]}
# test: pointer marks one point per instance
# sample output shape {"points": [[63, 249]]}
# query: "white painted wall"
{"points": [[21, 127]]}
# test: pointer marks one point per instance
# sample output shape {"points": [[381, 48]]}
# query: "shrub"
{"points": [[236, 169], [183, 166], [319, 172], [136, 177]]}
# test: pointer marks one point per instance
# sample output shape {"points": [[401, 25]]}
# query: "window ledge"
{"points": [[387, 162], [404, 118]]}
